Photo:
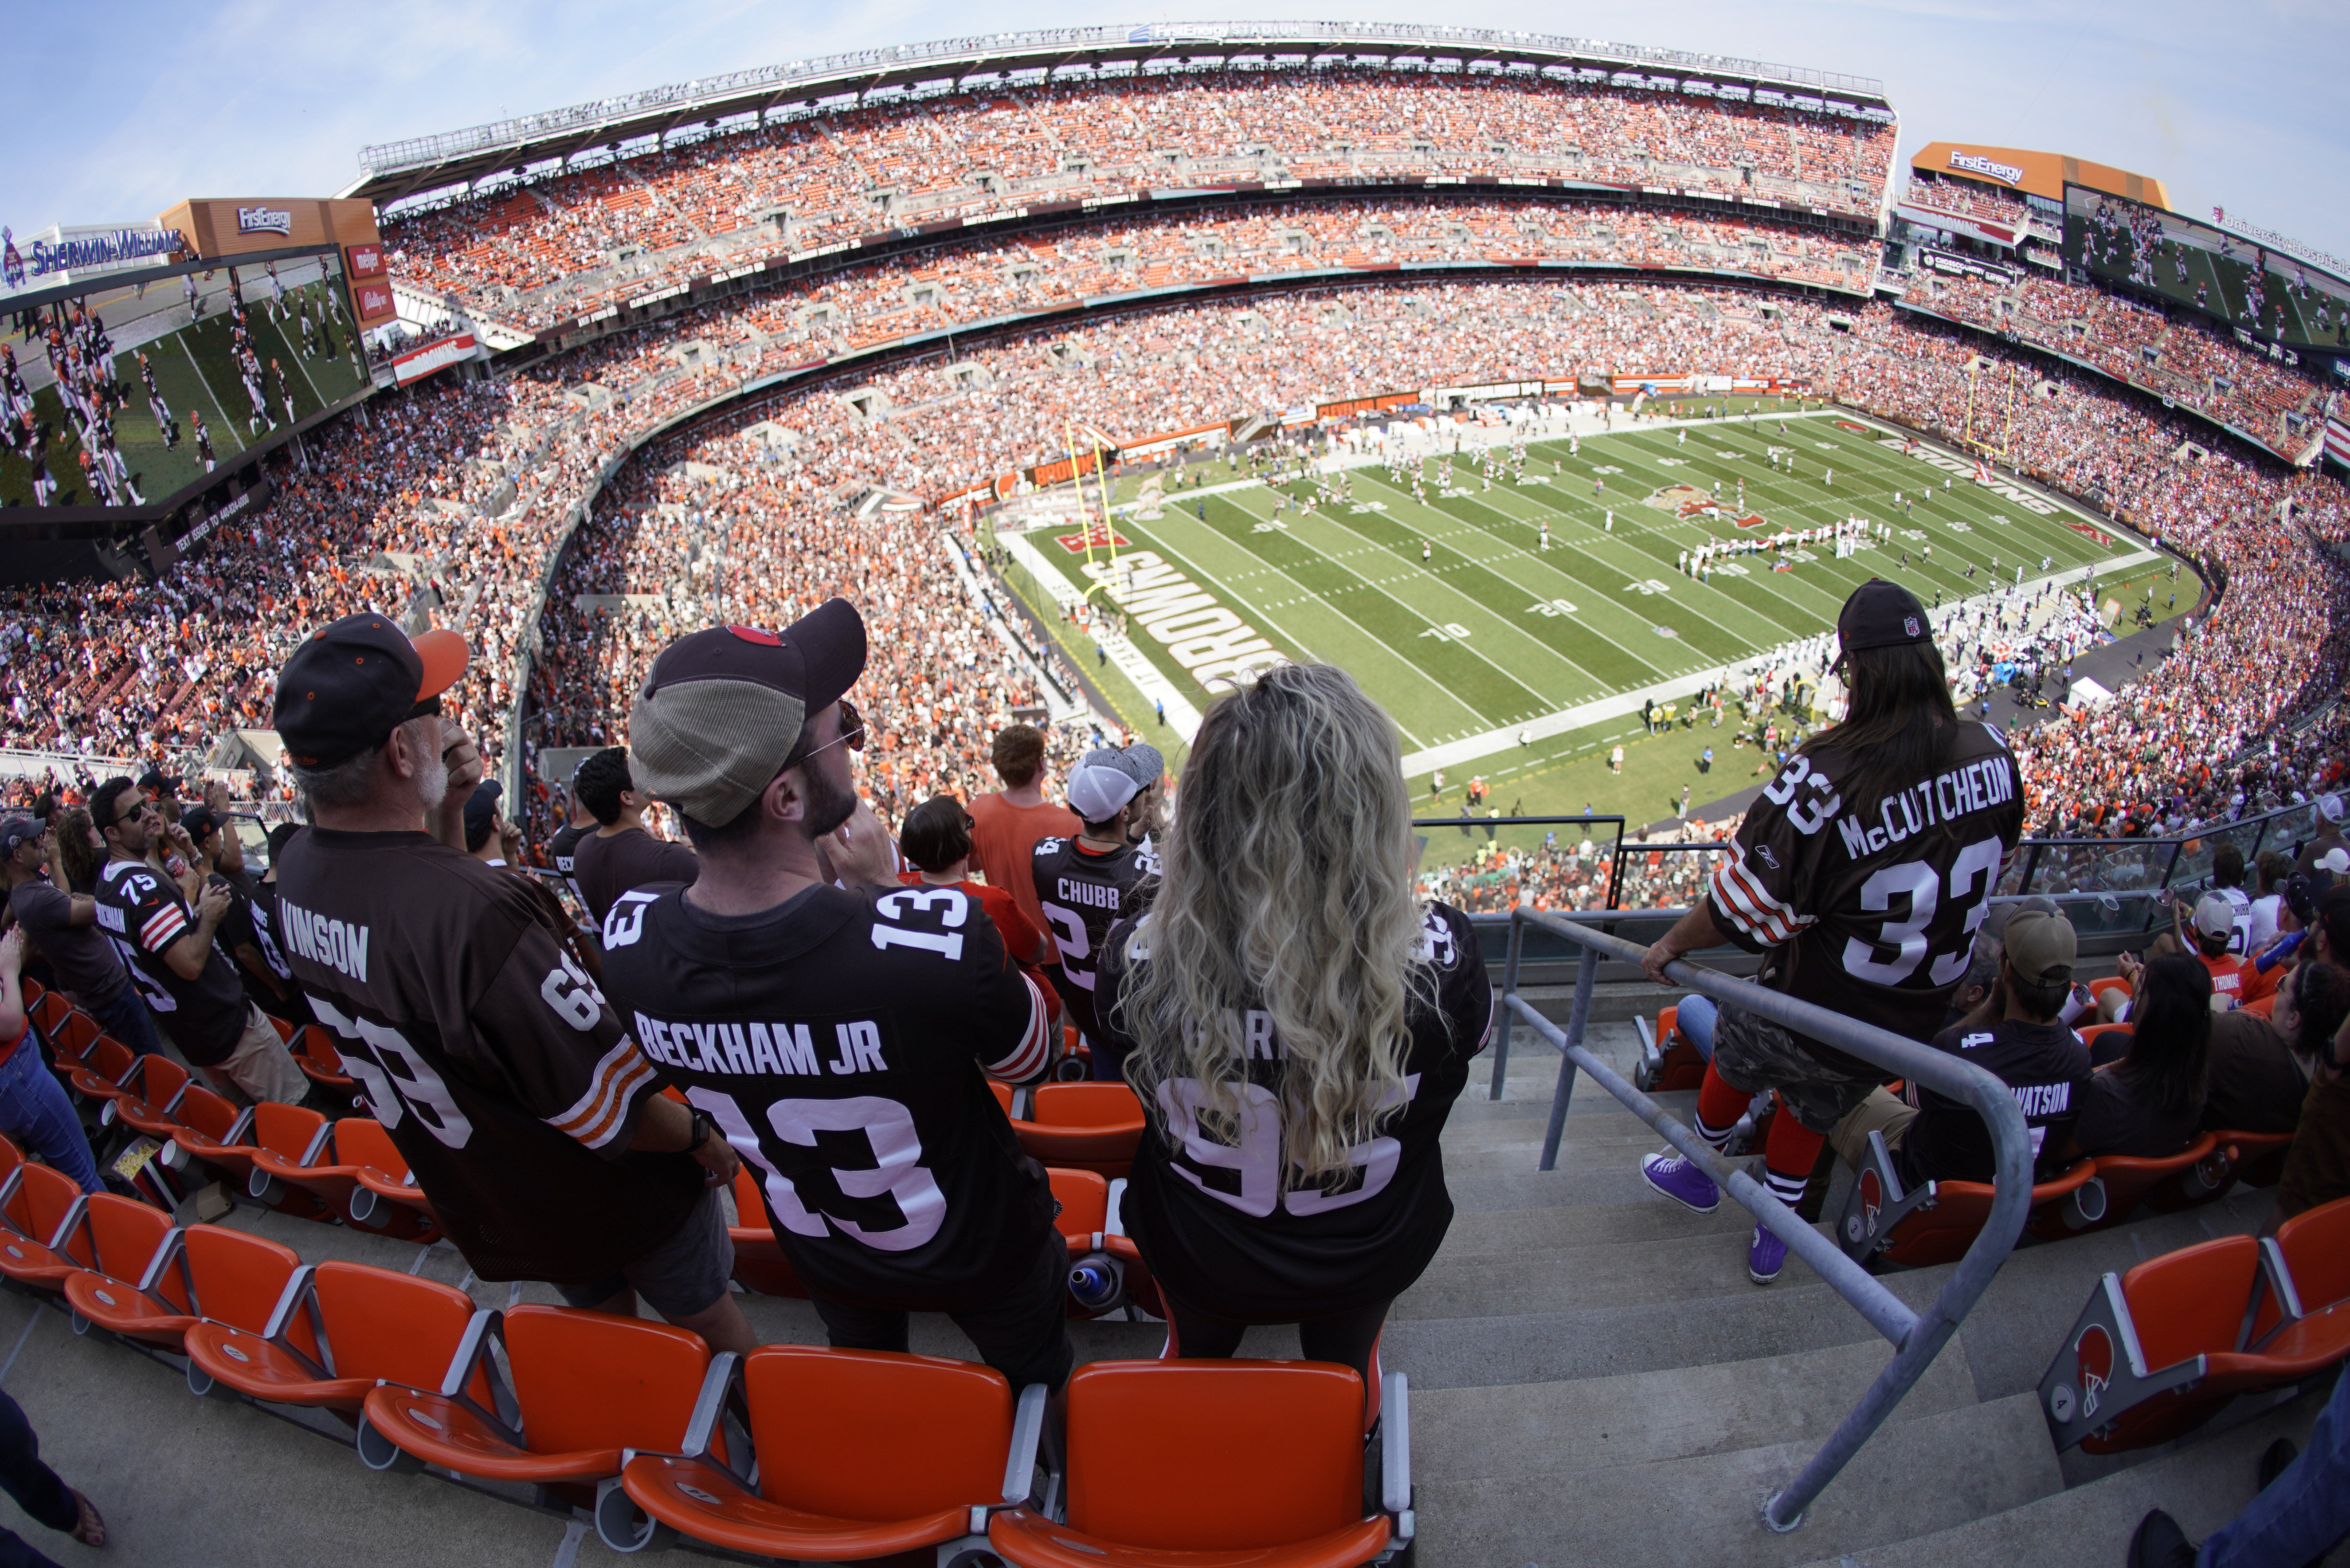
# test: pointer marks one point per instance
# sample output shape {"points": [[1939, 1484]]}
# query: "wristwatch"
{"points": [[698, 1130]]}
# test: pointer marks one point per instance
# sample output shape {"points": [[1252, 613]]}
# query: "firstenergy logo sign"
{"points": [[265, 221], [1975, 163]]}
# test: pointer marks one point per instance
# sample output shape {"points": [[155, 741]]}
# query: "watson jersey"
{"points": [[487, 1053], [1869, 908], [143, 915], [2043, 1065], [842, 1042], [1226, 1221], [1083, 894]]}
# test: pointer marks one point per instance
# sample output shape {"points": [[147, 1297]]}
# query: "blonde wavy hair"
{"points": [[1287, 886]]}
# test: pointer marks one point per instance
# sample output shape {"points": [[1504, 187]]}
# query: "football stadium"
{"points": [[1516, 637]]}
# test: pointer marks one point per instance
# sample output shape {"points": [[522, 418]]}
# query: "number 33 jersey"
{"points": [[1230, 1227], [840, 1041], [1869, 908]]}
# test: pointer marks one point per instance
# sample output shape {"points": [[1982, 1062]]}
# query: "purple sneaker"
{"points": [[1682, 1181], [1764, 1255]]}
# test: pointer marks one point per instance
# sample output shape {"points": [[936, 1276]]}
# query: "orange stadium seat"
{"points": [[105, 1066], [2093, 1032], [2260, 1156], [385, 1197], [314, 1171], [859, 1454], [1668, 1061], [44, 1240], [335, 1332], [131, 1290], [1293, 1499], [211, 1134], [313, 1051], [2121, 1184], [759, 1262], [579, 1388], [151, 1095], [1083, 1127], [1937, 1221]]}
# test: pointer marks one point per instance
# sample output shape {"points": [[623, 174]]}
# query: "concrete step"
{"points": [[1704, 1510], [2201, 1484], [1679, 1274]]}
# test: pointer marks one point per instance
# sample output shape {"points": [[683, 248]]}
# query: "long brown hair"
{"points": [[1898, 724]]}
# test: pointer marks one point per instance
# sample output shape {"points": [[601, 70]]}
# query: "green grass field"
{"points": [[1495, 636]]}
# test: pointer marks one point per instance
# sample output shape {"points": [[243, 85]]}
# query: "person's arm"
{"points": [[447, 821], [232, 853], [249, 959], [81, 909], [161, 926], [12, 996], [667, 1128], [1693, 931]]}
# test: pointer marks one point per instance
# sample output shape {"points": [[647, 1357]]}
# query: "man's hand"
{"points": [[216, 797], [859, 852], [1660, 953], [214, 903], [447, 823], [717, 1156], [12, 952], [509, 843]]}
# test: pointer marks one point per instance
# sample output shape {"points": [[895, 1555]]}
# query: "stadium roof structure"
{"points": [[397, 170]]}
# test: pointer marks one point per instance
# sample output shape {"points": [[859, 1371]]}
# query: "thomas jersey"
{"points": [[841, 1042], [143, 915], [1223, 1217], [487, 1053], [1083, 894], [1869, 908]]}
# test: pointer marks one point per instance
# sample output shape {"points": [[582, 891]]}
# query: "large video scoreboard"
{"points": [[2275, 296]]}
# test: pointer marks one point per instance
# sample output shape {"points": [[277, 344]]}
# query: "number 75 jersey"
{"points": [[1869, 908], [841, 1043]]}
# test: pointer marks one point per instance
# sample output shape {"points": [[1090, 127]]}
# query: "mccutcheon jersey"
{"points": [[1083, 894], [1869, 908], [1228, 1225], [487, 1053], [842, 1042]]}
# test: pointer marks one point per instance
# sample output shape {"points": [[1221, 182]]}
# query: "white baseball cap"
{"points": [[1101, 784], [2337, 860], [2329, 806], [2215, 916]]}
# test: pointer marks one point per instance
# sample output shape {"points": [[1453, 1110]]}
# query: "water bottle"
{"points": [[1096, 1282]]}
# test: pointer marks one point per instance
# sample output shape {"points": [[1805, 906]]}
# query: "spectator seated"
{"points": [[1937, 1221], [857, 1454]]}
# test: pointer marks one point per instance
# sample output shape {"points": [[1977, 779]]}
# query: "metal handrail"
{"points": [[1917, 1338]]}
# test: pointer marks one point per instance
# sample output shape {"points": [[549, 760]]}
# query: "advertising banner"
{"points": [[232, 226], [419, 363]]}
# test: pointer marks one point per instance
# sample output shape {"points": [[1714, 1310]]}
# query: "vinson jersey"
{"points": [[487, 1053], [841, 1042], [1083, 894], [1869, 908], [1225, 1222]]}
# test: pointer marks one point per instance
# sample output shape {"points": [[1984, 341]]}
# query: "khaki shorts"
{"points": [[261, 1068], [1882, 1112]]}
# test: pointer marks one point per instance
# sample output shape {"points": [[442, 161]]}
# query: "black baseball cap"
{"points": [[352, 682], [201, 821], [155, 780], [724, 711], [480, 811], [1881, 615]]}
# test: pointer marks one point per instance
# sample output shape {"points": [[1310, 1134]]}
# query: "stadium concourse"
{"points": [[1591, 1378]]}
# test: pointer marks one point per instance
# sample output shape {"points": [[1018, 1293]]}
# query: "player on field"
{"points": [[1863, 874], [513, 1091], [840, 1028], [1298, 1024], [1086, 884]]}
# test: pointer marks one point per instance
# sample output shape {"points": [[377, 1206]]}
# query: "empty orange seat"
{"points": [[385, 1197], [100, 1072], [859, 1454], [43, 1241], [580, 1387], [133, 1290], [1261, 1463], [151, 1100], [313, 1051], [1083, 1126], [2123, 1183], [759, 1261], [339, 1330], [313, 1170], [1668, 1060], [211, 1133]]}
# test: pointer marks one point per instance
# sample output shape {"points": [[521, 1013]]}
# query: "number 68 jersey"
{"points": [[839, 1042], [1869, 908]]}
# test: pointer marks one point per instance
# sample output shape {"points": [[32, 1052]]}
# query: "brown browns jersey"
{"points": [[488, 1054], [1869, 908]]}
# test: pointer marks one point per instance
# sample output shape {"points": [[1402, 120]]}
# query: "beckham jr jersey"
{"points": [[1083, 894], [1225, 1222], [841, 1042], [1869, 908]]}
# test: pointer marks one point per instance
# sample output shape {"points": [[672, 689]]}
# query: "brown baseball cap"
{"points": [[2042, 947], [725, 709]]}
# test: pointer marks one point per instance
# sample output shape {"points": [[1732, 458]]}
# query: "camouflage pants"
{"points": [[1753, 1053]]}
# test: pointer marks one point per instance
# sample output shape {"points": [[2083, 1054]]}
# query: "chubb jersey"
{"points": [[841, 1042], [1083, 894], [1869, 908], [487, 1053], [1228, 1222]]}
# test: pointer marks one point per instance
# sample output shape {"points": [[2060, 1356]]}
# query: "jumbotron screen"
{"points": [[2278, 295]]}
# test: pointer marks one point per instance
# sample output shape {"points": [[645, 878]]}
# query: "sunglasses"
{"points": [[143, 808], [852, 731]]}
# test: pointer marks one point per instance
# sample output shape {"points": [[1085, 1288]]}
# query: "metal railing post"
{"points": [[1509, 989], [1586, 975]]}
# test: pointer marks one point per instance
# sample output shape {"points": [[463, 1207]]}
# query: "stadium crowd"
{"points": [[543, 252]]}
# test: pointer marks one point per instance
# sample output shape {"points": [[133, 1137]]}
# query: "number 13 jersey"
{"points": [[839, 1042], [1869, 908]]}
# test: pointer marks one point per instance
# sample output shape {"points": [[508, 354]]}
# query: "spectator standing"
{"points": [[619, 855], [2147, 1102], [2317, 1166], [935, 839], [563, 849], [494, 841], [166, 930], [63, 926], [892, 1180], [1086, 884], [1291, 1016], [246, 930], [1007, 824], [34, 1108], [2299, 1515], [2330, 813], [37, 1490], [1902, 805], [522, 1106]]}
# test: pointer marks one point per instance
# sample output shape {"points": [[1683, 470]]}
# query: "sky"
{"points": [[2231, 104]]}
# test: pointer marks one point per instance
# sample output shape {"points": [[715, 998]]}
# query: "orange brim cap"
{"points": [[444, 654]]}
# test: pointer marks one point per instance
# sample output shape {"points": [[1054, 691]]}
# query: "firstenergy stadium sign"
{"points": [[1976, 164]]}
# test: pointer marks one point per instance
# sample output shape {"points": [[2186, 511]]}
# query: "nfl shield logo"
{"points": [[1909, 624]]}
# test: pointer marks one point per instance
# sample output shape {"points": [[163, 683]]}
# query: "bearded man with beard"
{"points": [[840, 1028], [523, 1107]]}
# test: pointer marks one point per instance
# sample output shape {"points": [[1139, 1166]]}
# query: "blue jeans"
{"points": [[33, 1110], [127, 1019], [1696, 1019], [2304, 1512], [35, 1487]]}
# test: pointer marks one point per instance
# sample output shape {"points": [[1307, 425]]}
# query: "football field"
{"points": [[1489, 649]]}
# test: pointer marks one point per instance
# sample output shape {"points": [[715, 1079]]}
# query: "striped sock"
{"points": [[1719, 1106], [1789, 1157]]}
